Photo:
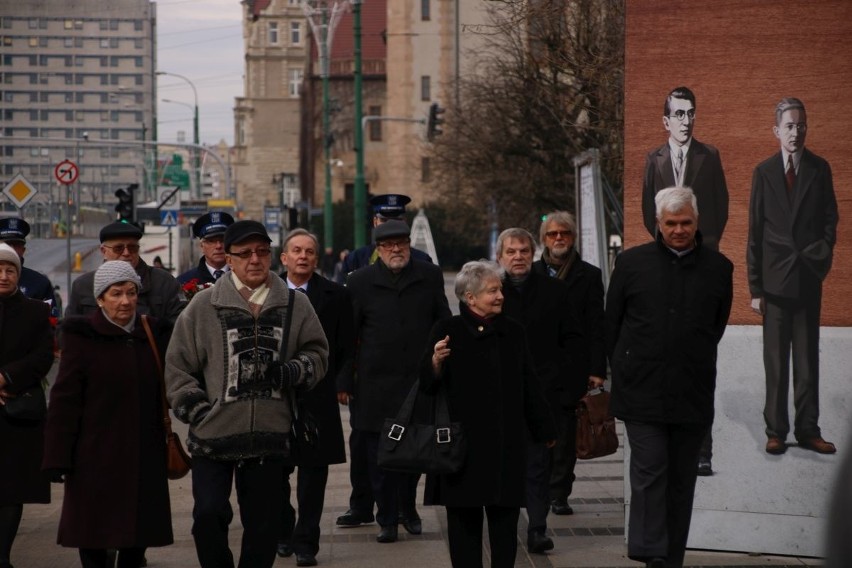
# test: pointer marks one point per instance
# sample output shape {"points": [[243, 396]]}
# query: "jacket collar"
{"points": [[225, 294]]}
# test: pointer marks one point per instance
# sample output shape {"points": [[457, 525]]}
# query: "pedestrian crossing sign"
{"points": [[168, 218]]}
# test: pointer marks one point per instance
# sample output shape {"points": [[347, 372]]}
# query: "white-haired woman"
{"points": [[26, 353], [104, 437], [482, 360]]}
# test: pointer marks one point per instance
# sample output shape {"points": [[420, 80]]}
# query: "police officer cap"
{"points": [[390, 229], [390, 205], [119, 230], [14, 229], [210, 224]]}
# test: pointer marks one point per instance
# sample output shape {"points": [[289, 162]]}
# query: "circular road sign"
{"points": [[66, 172]]}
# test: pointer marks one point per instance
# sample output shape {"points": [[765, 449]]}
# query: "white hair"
{"points": [[674, 200]]}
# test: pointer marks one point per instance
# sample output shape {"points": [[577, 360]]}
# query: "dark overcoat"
{"points": [[493, 391], [334, 308], [393, 315], [367, 255], [543, 306], [665, 316], [198, 272], [105, 425], [26, 354], [586, 294]]}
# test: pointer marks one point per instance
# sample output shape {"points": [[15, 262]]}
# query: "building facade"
{"points": [[77, 82]]}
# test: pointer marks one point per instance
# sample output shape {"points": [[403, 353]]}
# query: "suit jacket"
{"points": [[790, 241], [704, 174]]}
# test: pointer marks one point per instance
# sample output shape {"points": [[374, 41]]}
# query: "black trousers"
{"points": [[464, 529], [792, 324], [663, 469], [563, 456], [538, 486], [99, 558], [302, 531], [259, 487], [361, 498]]}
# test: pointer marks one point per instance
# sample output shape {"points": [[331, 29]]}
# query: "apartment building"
{"points": [[77, 82]]}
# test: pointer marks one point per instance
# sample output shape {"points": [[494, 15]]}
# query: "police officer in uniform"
{"points": [[385, 207], [33, 284], [209, 229]]}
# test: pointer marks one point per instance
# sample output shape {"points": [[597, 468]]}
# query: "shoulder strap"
{"points": [[167, 421]]}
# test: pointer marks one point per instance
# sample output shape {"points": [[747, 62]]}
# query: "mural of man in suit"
{"points": [[792, 231], [683, 161]]}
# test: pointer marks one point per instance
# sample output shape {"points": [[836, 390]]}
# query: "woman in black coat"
{"points": [[105, 437], [482, 360], [26, 354]]}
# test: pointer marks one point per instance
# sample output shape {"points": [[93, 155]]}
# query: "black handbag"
{"points": [[437, 448], [29, 404]]}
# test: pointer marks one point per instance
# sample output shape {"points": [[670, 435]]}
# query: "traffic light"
{"points": [[126, 207], [433, 126]]}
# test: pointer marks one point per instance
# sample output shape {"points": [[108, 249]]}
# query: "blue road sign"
{"points": [[168, 218]]}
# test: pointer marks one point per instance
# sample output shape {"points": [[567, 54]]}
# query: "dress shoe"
{"points": [[305, 559], [284, 550], [561, 507], [656, 563], [352, 518], [775, 446], [704, 467], [387, 534], [818, 445], [538, 542], [411, 523]]}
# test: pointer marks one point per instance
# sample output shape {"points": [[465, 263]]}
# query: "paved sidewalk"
{"points": [[592, 537]]}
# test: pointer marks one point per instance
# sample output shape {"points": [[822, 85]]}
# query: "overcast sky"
{"points": [[201, 40]]}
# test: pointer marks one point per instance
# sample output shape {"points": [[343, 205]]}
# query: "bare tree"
{"points": [[548, 86]]}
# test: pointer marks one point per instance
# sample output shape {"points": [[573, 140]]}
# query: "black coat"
{"points": [[334, 308], [543, 306], [586, 293], [366, 255], [493, 391], [200, 272], [392, 323], [665, 316], [26, 354], [105, 425]]}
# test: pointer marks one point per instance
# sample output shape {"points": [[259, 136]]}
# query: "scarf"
{"points": [[563, 269]]}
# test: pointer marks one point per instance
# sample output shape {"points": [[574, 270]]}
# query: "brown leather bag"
{"points": [[178, 463], [596, 436]]}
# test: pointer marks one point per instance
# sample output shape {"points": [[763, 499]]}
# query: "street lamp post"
{"points": [[195, 136], [360, 189]]}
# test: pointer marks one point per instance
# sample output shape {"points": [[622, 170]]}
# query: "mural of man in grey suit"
{"points": [[792, 230], [684, 161]]}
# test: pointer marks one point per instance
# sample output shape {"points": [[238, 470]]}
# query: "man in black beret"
{"points": [[161, 295], [209, 229], [385, 208], [33, 284]]}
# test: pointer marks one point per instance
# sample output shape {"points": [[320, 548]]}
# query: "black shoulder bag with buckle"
{"points": [[304, 430], [437, 448]]}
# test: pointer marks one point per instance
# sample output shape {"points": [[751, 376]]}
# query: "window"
{"points": [[69, 116], [78, 79], [34, 152], [105, 42], [295, 82], [78, 24], [113, 42], [113, 25], [296, 33], [78, 42], [273, 33], [137, 43], [79, 97], [69, 61], [33, 42], [102, 25], [8, 97], [78, 60], [42, 97], [33, 23], [425, 10], [7, 40], [69, 24], [69, 42], [425, 170], [137, 61], [42, 42], [113, 61], [137, 25], [42, 60], [425, 88], [375, 125]]}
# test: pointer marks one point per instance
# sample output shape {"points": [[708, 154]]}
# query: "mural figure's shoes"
{"points": [[387, 534], [818, 445], [776, 446], [656, 563], [305, 559]]}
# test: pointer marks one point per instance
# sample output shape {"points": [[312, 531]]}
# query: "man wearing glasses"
{"points": [[396, 301], [238, 352], [683, 161], [209, 229], [791, 234], [160, 296]]}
